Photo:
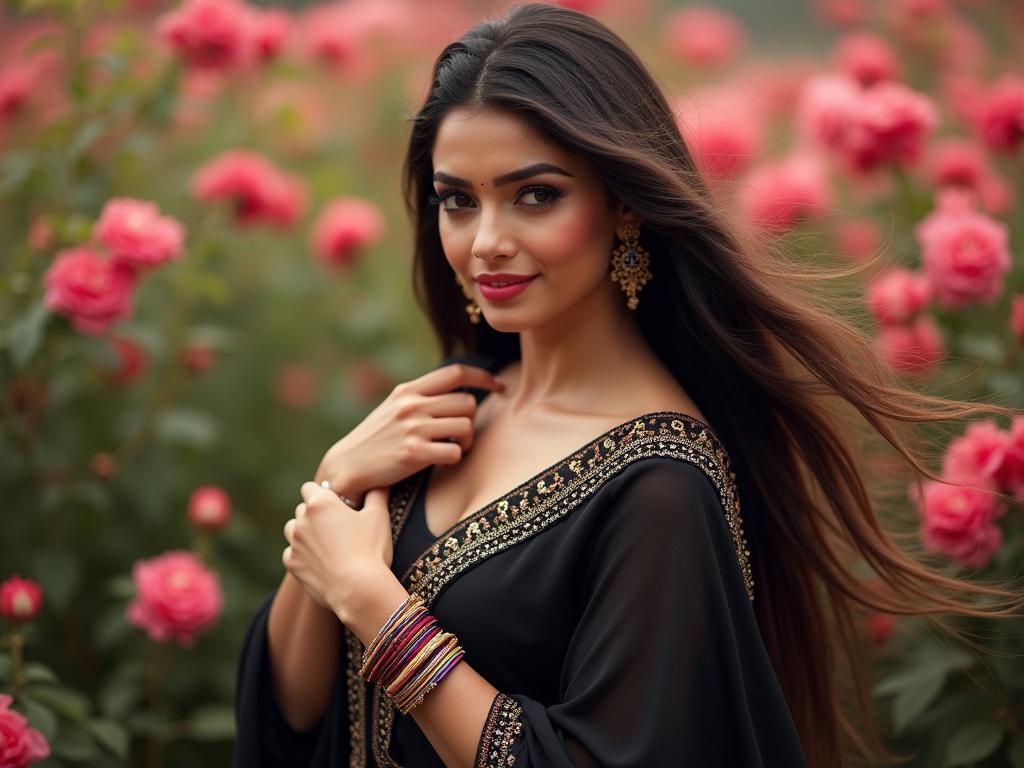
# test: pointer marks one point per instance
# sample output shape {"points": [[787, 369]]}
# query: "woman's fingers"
{"points": [[455, 375], [289, 527]]}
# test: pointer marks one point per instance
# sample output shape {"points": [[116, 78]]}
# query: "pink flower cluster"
{"points": [[998, 115], [176, 597], [95, 289], [885, 124], [221, 35], [258, 191], [960, 521], [965, 253], [345, 226], [20, 744]]}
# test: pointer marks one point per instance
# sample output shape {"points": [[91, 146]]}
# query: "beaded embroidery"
{"points": [[525, 511], [503, 725]]}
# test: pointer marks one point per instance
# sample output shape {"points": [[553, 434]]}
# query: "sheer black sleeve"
{"points": [[666, 666], [264, 738]]}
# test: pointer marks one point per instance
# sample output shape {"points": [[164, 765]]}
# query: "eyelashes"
{"points": [[550, 193]]}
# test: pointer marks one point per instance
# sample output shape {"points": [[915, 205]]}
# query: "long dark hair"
{"points": [[778, 374]]}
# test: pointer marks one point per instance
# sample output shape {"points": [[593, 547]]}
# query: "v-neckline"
{"points": [[518, 490]]}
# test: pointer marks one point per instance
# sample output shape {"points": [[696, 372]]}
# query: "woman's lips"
{"points": [[503, 292]]}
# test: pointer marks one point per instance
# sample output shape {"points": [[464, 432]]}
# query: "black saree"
{"points": [[608, 599]]}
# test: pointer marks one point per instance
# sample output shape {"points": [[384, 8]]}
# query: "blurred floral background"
{"points": [[205, 281]]}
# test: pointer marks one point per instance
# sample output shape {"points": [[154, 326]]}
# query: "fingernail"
{"points": [[500, 381]]}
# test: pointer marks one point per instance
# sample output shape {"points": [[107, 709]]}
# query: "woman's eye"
{"points": [[544, 195], [438, 199]]}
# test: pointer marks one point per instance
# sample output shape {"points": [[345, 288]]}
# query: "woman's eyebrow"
{"points": [[505, 178]]}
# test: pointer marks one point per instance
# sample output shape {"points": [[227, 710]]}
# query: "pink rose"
{"points": [[722, 130], [296, 385], [17, 83], [209, 508], [197, 357], [20, 599], [135, 233], [1011, 474], [897, 295], [890, 127], [959, 522], [20, 743], [268, 32], [132, 360], [704, 36], [825, 109], [346, 225], [866, 58], [778, 194], [999, 117], [978, 454], [958, 162], [176, 596], [259, 191], [207, 34], [94, 292], [965, 253], [912, 349]]}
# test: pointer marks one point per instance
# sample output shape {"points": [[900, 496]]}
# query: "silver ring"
{"points": [[326, 484]]}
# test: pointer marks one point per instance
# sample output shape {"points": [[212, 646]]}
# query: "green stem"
{"points": [[17, 642], [172, 380], [158, 739]]}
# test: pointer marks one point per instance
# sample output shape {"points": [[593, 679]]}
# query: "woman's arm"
{"points": [[304, 639], [452, 715]]}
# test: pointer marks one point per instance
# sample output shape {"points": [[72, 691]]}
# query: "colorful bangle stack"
{"points": [[410, 654]]}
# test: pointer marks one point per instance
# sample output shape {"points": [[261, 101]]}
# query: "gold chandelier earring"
{"points": [[472, 309], [630, 262]]}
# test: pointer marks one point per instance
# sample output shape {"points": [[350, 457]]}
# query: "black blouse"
{"points": [[608, 599]]}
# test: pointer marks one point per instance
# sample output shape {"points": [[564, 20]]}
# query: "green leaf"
{"points": [[26, 334], [986, 347], [117, 698], [35, 672], [111, 735], [212, 723], [65, 701], [973, 742], [39, 716], [1016, 752], [188, 426], [74, 743], [915, 699], [86, 135]]}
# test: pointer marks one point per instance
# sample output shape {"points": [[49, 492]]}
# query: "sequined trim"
{"points": [[504, 723], [356, 690], [543, 500]]}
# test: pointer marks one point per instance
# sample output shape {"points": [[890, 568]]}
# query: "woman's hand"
{"points": [[333, 549], [421, 422]]}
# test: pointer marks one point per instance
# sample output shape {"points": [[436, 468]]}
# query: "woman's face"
{"points": [[554, 222]]}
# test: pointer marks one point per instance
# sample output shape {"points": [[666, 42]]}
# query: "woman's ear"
{"points": [[626, 214]]}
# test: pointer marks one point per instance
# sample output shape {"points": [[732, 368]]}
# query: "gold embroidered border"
{"points": [[504, 723], [356, 692], [542, 502]]}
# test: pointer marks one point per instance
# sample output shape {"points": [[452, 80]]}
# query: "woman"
{"points": [[618, 606]]}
